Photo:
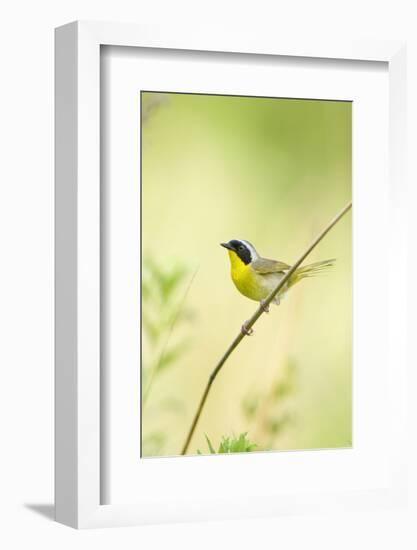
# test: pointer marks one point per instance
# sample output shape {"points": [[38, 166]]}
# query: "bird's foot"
{"points": [[264, 306], [246, 331]]}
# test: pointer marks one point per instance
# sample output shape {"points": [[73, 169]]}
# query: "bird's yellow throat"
{"points": [[245, 278], [238, 267]]}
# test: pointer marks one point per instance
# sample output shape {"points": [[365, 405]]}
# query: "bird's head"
{"points": [[242, 249]]}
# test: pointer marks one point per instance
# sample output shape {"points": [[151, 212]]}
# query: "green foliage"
{"points": [[285, 386], [163, 295], [210, 446], [164, 290], [250, 405], [270, 413], [153, 443], [232, 444]]}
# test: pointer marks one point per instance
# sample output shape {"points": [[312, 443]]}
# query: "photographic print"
{"points": [[234, 190]]}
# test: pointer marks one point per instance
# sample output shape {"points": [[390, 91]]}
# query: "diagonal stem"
{"points": [[249, 324]]}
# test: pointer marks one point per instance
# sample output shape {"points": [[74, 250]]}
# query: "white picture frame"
{"points": [[78, 478]]}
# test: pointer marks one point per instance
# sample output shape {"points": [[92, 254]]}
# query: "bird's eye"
{"points": [[241, 247]]}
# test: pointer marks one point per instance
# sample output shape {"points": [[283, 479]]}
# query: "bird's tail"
{"points": [[311, 270]]}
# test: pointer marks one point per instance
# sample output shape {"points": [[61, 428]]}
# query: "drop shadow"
{"points": [[45, 510]]}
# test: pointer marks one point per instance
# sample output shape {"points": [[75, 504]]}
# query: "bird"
{"points": [[256, 277]]}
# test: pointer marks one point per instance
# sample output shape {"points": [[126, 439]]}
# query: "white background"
{"points": [[26, 274], [271, 475]]}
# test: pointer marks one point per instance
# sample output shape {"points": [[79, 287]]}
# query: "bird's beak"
{"points": [[226, 245]]}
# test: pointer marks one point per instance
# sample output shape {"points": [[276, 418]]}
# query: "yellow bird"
{"points": [[256, 277]]}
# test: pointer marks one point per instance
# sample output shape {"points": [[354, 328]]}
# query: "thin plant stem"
{"points": [[249, 324]]}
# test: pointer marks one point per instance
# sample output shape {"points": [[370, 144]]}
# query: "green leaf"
{"points": [[171, 355], [250, 406], [277, 424], [172, 404], [169, 282], [227, 445], [240, 445], [146, 289], [210, 446], [287, 384], [151, 328], [153, 443]]}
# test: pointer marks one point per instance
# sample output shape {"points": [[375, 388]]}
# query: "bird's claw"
{"points": [[264, 306], [246, 331]]}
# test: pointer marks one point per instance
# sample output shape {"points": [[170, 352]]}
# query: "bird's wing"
{"points": [[264, 266]]}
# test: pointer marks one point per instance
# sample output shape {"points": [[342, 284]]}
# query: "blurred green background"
{"points": [[274, 172]]}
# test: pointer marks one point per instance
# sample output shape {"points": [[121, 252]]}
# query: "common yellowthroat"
{"points": [[256, 277]]}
